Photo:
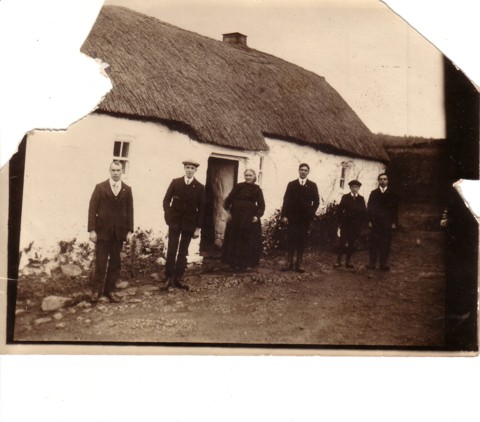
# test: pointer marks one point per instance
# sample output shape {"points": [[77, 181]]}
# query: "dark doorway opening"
{"points": [[221, 178]]}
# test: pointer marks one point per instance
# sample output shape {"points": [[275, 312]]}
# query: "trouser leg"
{"points": [[185, 239], [302, 231], [173, 240], [384, 251], [114, 265], [291, 244], [352, 241], [374, 246], [101, 258], [341, 245]]}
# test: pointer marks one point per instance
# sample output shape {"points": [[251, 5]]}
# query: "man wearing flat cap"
{"points": [[184, 205], [352, 214]]}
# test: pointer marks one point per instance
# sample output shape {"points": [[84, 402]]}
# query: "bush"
{"points": [[68, 252], [143, 255], [36, 262], [72, 253], [44, 276], [274, 235], [323, 231]]}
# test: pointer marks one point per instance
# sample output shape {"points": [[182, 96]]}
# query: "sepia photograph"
{"points": [[259, 176]]}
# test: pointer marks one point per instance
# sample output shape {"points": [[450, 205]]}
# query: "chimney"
{"points": [[235, 38]]}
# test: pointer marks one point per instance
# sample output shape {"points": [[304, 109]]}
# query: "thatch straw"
{"points": [[220, 93]]}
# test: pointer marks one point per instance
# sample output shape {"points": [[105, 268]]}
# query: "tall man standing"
{"points": [[382, 211], [184, 206], [300, 203], [110, 223]]}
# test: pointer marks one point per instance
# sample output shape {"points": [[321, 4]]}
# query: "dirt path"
{"points": [[324, 306]]}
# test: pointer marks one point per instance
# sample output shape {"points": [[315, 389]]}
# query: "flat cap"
{"points": [[192, 162], [354, 183]]}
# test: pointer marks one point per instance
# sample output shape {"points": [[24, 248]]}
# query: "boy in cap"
{"points": [[184, 205], [352, 214]]}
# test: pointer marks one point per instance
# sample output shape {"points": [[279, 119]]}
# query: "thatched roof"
{"points": [[220, 93]]}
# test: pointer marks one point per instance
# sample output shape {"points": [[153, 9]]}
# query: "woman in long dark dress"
{"points": [[243, 236]]}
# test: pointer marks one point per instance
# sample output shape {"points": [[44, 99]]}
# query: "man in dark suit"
{"points": [[184, 206], [352, 214], [382, 211], [110, 223], [300, 203]]}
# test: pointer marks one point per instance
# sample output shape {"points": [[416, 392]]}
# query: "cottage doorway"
{"points": [[221, 178]]}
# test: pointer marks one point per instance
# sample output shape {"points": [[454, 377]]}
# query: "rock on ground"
{"points": [[52, 303], [44, 320], [71, 270], [155, 276]]}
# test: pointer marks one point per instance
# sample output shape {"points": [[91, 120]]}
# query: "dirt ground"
{"points": [[324, 306]]}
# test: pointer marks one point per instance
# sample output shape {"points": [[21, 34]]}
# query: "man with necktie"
{"points": [[184, 207], [300, 203], [352, 214], [382, 213], [110, 223]]}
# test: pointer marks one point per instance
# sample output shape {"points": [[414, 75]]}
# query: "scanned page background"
{"points": [[223, 388]]}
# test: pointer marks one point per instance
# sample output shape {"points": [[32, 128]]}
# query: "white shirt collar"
{"points": [[113, 184], [383, 189], [187, 180], [302, 181]]}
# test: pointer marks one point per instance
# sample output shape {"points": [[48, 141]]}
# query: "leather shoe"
{"points": [[288, 267], [299, 269], [168, 284], [385, 268], [113, 297], [179, 285], [348, 266], [370, 267]]}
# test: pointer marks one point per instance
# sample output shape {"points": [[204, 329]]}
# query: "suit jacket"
{"points": [[300, 202], [108, 215], [352, 213], [382, 208], [184, 206]]}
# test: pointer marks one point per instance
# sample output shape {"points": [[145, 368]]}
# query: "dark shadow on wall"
{"points": [[16, 171], [461, 256]]}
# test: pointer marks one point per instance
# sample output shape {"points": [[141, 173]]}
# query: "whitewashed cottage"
{"points": [[177, 94]]}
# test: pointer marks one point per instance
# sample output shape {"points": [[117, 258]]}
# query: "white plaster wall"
{"points": [[281, 166], [62, 169]]}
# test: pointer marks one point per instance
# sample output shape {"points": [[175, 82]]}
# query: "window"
{"points": [[260, 171], [121, 150], [344, 173]]}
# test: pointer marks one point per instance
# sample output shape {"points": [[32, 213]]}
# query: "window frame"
{"points": [[344, 173], [123, 159]]}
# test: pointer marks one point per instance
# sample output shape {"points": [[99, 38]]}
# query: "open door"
{"points": [[221, 178]]}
